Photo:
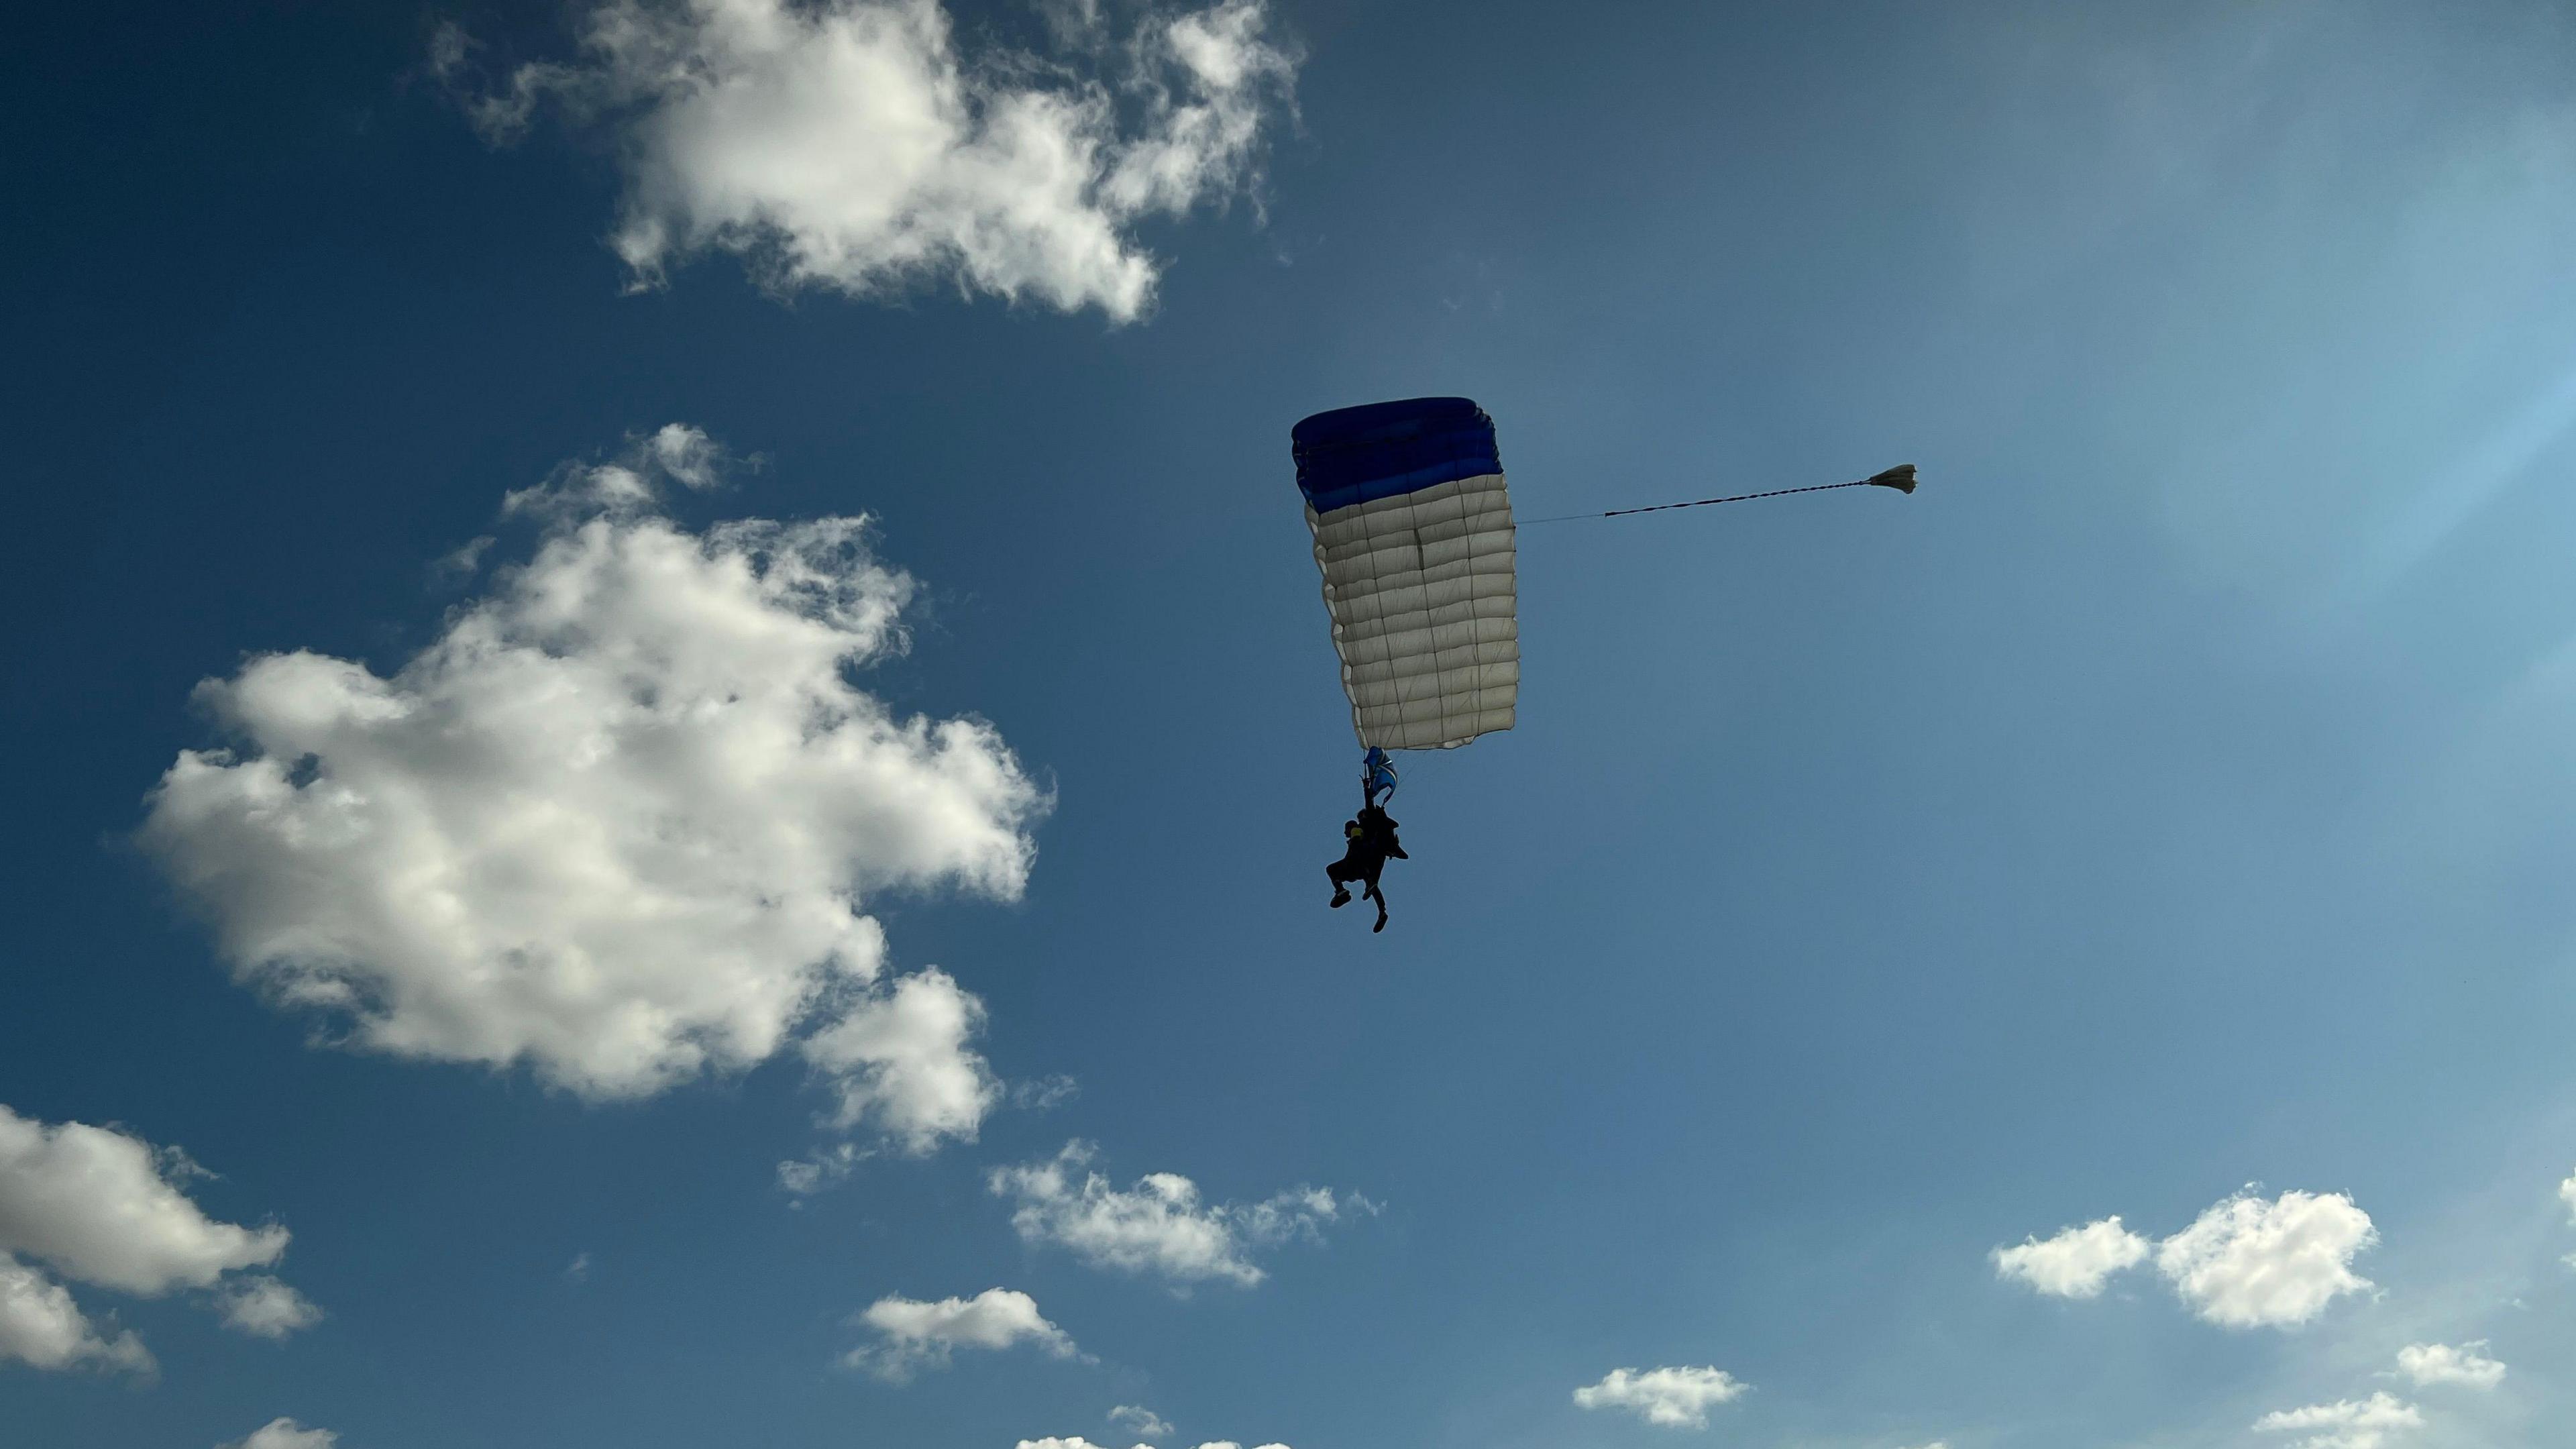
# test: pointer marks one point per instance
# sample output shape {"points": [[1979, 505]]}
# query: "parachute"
{"points": [[1413, 532], [1414, 535]]}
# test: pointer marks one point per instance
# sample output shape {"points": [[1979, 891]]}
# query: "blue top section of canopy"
{"points": [[1356, 455]]}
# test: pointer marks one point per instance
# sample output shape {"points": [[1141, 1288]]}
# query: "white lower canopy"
{"points": [[1424, 608]]}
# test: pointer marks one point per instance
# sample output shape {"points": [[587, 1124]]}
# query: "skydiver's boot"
{"points": [[1341, 897]]}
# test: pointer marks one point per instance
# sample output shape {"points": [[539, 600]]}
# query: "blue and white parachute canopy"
{"points": [[1413, 530]]}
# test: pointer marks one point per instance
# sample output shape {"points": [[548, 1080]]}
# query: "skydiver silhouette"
{"points": [[1372, 844]]}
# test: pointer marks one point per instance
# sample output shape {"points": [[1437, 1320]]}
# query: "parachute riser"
{"points": [[1377, 777]]}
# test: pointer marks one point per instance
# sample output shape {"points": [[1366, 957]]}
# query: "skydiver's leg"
{"points": [[1338, 874], [1378, 894]]}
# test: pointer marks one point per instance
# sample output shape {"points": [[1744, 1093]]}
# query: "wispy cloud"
{"points": [[287, 1434], [1138, 1419], [266, 1308], [2345, 1423], [1160, 1225]]}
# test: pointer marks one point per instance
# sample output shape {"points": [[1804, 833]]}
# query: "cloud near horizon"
{"points": [[286, 1434], [2345, 1423], [1676, 1398], [2246, 1262], [1076, 1441], [1137, 1419], [853, 145], [619, 822], [2465, 1365]]}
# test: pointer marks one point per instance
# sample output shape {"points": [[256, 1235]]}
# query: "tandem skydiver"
{"points": [[1372, 844]]}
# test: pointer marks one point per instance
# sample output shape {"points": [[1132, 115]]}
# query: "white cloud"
{"points": [[915, 1335], [850, 144], [101, 1207], [2249, 1263], [2076, 1262], [688, 457], [2344, 1424], [1159, 1225], [901, 1060], [1045, 1094], [1076, 1441], [1139, 1419], [2441, 1363], [41, 1326], [287, 1434], [1677, 1398], [264, 1307], [822, 1168], [618, 821], [2567, 1195]]}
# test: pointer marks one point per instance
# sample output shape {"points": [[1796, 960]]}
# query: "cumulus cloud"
{"points": [[41, 1326], [1677, 1398], [2344, 1424], [2466, 1365], [287, 1434], [2567, 1195], [1159, 1225], [914, 1335], [618, 821], [262, 1306], [2247, 1262], [2076, 1262], [101, 1207], [2251, 1263], [902, 1060], [853, 144], [1139, 1419]]}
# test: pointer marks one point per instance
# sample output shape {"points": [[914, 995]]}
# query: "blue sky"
{"points": [[2163, 815]]}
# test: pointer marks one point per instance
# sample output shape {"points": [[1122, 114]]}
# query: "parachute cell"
{"points": [[1413, 532]]}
